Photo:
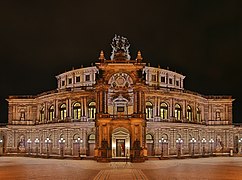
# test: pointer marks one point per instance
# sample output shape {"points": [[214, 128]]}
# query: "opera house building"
{"points": [[120, 108]]}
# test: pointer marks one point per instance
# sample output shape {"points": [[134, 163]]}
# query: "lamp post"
{"points": [[1, 142], [203, 143], [240, 142], [162, 141], [77, 141], [47, 142], [211, 141], [81, 141], [179, 142], [193, 141], [29, 144], [36, 145], [62, 144]]}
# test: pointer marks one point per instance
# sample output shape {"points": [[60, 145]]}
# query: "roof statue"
{"points": [[120, 44]]}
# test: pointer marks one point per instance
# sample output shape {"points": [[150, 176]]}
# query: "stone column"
{"points": [[85, 106], [70, 109]]}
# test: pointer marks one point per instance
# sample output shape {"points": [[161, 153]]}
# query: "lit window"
{"points": [[88, 77], [178, 111], [189, 113], [42, 114], [198, 115], [170, 81], [77, 111], [63, 111], [51, 113], [162, 79], [153, 78], [92, 110], [149, 110], [164, 111], [69, 80], [78, 79]]}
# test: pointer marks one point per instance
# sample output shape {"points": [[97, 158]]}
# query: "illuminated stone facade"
{"points": [[120, 108]]}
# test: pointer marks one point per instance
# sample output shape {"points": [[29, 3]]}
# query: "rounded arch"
{"points": [[164, 110], [189, 113], [150, 144], [92, 110], [51, 112], [178, 111], [149, 110], [118, 129], [42, 114], [62, 111], [76, 136], [76, 107], [178, 136], [91, 137], [165, 136], [198, 114], [149, 137], [121, 79]]}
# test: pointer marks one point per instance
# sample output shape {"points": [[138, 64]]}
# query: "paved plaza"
{"points": [[218, 168]]}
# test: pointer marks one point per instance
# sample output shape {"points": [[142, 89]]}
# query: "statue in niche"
{"points": [[21, 144], [219, 144]]}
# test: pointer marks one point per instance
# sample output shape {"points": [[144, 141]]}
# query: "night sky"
{"points": [[199, 38]]}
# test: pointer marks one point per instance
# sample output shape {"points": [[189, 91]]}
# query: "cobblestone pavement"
{"points": [[218, 168]]}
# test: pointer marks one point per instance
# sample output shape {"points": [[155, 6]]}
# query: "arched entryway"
{"points": [[120, 143], [150, 144], [2, 141], [91, 144]]}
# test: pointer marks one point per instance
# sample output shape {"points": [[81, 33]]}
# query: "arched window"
{"points": [[51, 113], [149, 138], [198, 115], [149, 110], [178, 112], [77, 110], [63, 111], [92, 110], [164, 111], [42, 114], [189, 113]]}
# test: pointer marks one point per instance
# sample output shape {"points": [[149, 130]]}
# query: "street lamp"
{"points": [[62, 144], [162, 141], [1, 141], [36, 145], [81, 141], [179, 142], [77, 141], [29, 144], [193, 141], [240, 142], [203, 143], [47, 142], [211, 141]]}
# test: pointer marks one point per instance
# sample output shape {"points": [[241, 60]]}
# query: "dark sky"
{"points": [[198, 38]]}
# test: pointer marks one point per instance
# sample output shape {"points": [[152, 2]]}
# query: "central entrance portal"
{"points": [[120, 147], [120, 143]]}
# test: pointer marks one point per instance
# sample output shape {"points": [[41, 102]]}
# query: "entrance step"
{"points": [[120, 160]]}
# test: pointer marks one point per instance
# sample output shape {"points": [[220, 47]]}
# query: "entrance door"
{"points": [[120, 148]]}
